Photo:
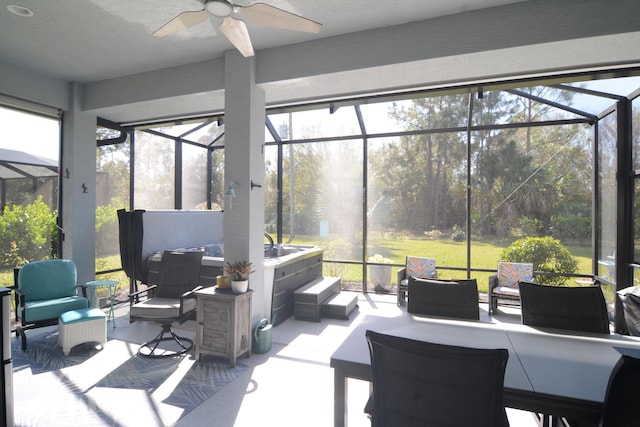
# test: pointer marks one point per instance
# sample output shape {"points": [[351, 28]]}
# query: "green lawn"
{"points": [[449, 255]]}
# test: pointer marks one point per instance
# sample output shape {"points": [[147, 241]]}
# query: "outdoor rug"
{"points": [[111, 386]]}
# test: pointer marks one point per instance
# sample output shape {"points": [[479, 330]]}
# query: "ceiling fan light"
{"points": [[219, 8]]}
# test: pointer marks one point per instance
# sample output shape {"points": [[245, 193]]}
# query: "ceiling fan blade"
{"points": [[264, 14], [236, 31], [181, 22]]}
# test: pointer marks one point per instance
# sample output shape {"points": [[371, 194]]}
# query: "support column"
{"points": [[79, 185], [244, 162]]}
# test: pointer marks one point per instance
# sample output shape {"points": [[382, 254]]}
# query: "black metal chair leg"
{"points": [[185, 344], [20, 333]]}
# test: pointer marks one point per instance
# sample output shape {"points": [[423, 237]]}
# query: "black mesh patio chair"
{"points": [[623, 395], [418, 383], [581, 309], [444, 298]]}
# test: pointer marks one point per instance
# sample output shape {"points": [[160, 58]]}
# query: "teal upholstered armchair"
{"points": [[44, 290]]}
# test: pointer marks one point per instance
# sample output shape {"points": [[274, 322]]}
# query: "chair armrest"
{"points": [[135, 297], [187, 294], [20, 297], [493, 281], [83, 288], [402, 274]]}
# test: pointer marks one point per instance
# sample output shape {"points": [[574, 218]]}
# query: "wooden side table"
{"points": [[224, 323]]}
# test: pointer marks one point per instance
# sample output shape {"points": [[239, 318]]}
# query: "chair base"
{"points": [[508, 300], [402, 295], [150, 348]]}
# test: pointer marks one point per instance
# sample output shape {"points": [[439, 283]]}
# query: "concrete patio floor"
{"points": [[291, 385]]}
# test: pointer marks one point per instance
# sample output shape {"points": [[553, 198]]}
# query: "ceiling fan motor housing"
{"points": [[219, 8]]}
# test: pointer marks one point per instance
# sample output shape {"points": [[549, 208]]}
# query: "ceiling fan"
{"points": [[235, 29]]}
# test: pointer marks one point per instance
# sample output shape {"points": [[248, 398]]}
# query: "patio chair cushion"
{"points": [[36, 311], [510, 274], [420, 268], [48, 288], [162, 308], [48, 279]]}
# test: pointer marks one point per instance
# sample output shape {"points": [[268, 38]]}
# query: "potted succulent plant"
{"points": [[239, 272]]}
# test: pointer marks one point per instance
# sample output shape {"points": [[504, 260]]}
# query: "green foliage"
{"points": [[339, 249], [239, 270], [530, 226], [546, 254], [26, 233], [571, 226], [107, 233]]}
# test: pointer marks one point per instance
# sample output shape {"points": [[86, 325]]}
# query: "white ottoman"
{"points": [[81, 326]]}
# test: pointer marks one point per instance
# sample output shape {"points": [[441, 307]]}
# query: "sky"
{"points": [[29, 133], [40, 136]]}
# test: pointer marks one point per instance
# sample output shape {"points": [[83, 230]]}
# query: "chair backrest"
{"points": [[418, 383], [447, 298], [623, 394], [580, 309], [422, 268], [510, 273], [628, 302], [179, 273], [48, 279]]}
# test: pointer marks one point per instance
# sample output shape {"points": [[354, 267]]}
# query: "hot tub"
{"points": [[286, 268]]}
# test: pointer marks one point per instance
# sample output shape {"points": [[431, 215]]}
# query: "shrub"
{"points": [[379, 259], [457, 235], [433, 234], [546, 254], [26, 233]]}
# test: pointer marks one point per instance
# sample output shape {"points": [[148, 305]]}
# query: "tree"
{"points": [[419, 171]]}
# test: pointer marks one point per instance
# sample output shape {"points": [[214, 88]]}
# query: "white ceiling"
{"points": [[128, 75], [89, 40]]}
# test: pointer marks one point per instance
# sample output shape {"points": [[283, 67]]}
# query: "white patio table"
{"points": [[547, 372]]}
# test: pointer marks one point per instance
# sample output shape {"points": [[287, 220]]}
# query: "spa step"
{"points": [[340, 305], [308, 298]]}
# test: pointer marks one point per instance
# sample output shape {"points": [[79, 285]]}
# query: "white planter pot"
{"points": [[239, 286], [380, 275]]}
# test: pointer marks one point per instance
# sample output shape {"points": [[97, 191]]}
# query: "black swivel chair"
{"points": [[171, 300], [418, 383], [581, 309], [623, 395], [444, 298]]}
